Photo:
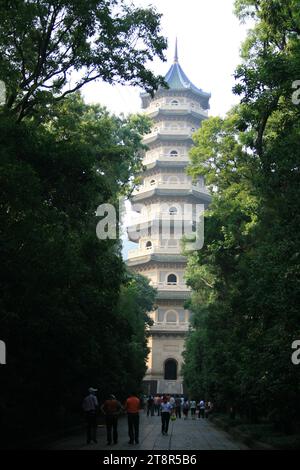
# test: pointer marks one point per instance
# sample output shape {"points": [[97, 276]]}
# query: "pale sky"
{"points": [[209, 39]]}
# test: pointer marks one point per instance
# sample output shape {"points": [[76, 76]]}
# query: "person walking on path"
{"points": [[193, 409], [132, 406], [111, 408], [157, 402], [90, 407], [172, 401], [178, 407], [150, 406], [201, 409], [166, 410], [208, 409], [185, 408]]}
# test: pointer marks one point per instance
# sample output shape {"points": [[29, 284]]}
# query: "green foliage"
{"points": [[246, 278], [69, 314], [136, 299], [43, 42]]}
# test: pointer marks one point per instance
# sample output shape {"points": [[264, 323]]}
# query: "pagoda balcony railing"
{"points": [[157, 216], [170, 286], [165, 158], [170, 131], [155, 250], [170, 326], [175, 185], [181, 108]]}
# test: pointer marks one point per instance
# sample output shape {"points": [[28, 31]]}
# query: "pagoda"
{"points": [[165, 190]]}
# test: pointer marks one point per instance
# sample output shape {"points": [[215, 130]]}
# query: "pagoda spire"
{"points": [[176, 52]]}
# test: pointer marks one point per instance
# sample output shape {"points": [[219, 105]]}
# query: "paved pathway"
{"points": [[183, 435]]}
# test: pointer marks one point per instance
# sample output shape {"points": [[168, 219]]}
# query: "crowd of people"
{"points": [[180, 406], [168, 407]]}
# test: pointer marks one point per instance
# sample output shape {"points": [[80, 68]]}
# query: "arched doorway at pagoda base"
{"points": [[170, 369]]}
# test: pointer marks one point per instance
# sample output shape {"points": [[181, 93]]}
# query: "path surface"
{"points": [[183, 435]]}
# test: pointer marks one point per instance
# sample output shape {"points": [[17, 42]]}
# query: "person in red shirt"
{"points": [[111, 409], [133, 406]]}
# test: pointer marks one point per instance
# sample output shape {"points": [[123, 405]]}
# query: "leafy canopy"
{"points": [[51, 48]]}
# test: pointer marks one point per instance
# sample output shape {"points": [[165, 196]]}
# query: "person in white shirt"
{"points": [[193, 409], [90, 406], [201, 408], [172, 401], [166, 410]]}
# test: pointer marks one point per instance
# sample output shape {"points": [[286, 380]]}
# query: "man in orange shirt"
{"points": [[111, 408], [132, 406]]}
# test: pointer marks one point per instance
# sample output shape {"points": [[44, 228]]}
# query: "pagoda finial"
{"points": [[176, 52]]}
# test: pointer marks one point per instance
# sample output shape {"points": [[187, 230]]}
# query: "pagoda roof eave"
{"points": [[197, 193], [162, 164], [157, 258], [161, 89]]}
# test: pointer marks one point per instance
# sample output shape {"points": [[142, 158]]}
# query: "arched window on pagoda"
{"points": [[172, 280], [173, 211], [171, 317], [173, 180]]}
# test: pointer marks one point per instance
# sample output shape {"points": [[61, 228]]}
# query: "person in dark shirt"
{"points": [[90, 406], [150, 406], [178, 407]]}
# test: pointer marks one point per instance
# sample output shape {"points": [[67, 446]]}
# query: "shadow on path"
{"points": [[183, 434]]}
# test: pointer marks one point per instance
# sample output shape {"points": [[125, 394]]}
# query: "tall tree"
{"points": [[45, 43], [61, 315], [246, 278], [65, 313]]}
